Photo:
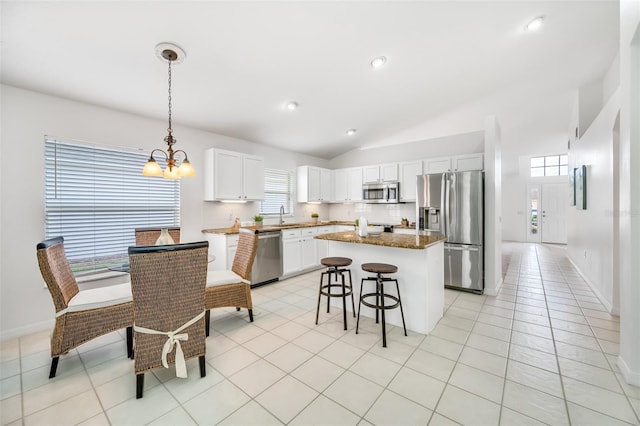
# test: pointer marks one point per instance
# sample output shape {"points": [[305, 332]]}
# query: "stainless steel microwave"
{"points": [[388, 192]]}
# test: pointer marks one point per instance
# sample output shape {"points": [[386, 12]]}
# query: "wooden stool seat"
{"points": [[379, 268], [335, 261]]}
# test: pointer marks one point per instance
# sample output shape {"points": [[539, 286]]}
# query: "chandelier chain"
{"points": [[169, 96]]}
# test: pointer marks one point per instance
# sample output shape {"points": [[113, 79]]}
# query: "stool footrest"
{"points": [[329, 286], [376, 306]]}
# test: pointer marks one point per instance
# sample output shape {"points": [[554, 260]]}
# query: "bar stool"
{"points": [[336, 266], [379, 269]]}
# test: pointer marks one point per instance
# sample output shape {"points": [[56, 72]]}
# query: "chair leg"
{"points": [[54, 367], [207, 317], [359, 305], [344, 302], [401, 312], [139, 385], [319, 297], [353, 305], [250, 315], [130, 342], [384, 322], [203, 371]]}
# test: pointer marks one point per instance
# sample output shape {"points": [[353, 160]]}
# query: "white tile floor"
{"points": [[542, 352]]}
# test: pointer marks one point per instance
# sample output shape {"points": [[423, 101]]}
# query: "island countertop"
{"points": [[386, 239]]}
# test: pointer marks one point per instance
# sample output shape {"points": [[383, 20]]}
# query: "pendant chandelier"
{"points": [[170, 53]]}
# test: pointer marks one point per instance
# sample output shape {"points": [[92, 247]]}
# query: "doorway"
{"points": [[547, 213]]}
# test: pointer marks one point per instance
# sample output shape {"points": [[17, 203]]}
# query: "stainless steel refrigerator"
{"points": [[452, 203]]}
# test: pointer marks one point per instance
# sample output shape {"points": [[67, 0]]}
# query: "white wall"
{"points": [[465, 143], [26, 117], [629, 248], [590, 231], [492, 207]]}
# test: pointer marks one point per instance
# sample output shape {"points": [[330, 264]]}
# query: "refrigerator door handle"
{"points": [[444, 204]]}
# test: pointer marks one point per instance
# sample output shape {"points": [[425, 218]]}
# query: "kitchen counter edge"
{"points": [[386, 239], [271, 228]]}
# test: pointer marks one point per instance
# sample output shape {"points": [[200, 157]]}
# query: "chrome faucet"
{"points": [[281, 213]]}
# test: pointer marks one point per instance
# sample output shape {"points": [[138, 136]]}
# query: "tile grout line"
{"points": [[555, 349]]}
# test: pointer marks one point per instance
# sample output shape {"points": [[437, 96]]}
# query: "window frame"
{"points": [[271, 175], [562, 162], [95, 196]]}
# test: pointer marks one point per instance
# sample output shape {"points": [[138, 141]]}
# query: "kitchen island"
{"points": [[420, 262]]}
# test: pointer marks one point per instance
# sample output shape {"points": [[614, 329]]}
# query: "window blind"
{"points": [[95, 197], [278, 188]]}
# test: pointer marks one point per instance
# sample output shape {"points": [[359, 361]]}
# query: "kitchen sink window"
{"points": [[278, 192], [96, 196]]}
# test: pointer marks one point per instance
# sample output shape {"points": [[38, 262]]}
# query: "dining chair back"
{"points": [[168, 284], [149, 236], [232, 288], [80, 315]]}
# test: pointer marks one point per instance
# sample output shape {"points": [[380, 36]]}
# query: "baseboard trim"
{"points": [[630, 376], [608, 306]]}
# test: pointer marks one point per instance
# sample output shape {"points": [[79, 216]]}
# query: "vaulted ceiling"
{"points": [[449, 64]]}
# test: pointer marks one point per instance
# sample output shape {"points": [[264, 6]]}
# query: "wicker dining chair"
{"points": [[168, 285], [232, 288], [149, 236], [80, 315]]}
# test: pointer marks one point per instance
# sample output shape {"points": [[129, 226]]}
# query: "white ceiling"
{"points": [[449, 65]]}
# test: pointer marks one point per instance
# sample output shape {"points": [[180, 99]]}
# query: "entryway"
{"points": [[547, 212]]}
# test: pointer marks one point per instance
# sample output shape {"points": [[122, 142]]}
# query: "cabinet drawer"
{"points": [[308, 231], [291, 233], [232, 240], [325, 229]]}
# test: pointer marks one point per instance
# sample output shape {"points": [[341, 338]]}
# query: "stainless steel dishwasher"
{"points": [[267, 267]]}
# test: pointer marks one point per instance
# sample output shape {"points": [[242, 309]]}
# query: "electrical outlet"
{"points": [[231, 216]]}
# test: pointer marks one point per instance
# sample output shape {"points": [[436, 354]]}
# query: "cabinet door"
{"points": [[340, 185], [389, 172], [253, 179], [325, 185], [437, 165], [408, 181], [371, 174], [291, 256], [227, 175], [355, 184], [313, 184], [462, 163], [309, 252]]}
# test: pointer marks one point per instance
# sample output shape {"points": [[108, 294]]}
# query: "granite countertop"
{"points": [[385, 239], [270, 228]]}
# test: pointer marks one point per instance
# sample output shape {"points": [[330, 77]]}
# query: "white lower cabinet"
{"points": [[301, 251], [223, 247]]}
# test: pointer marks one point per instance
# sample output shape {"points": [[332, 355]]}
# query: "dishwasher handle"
{"points": [[263, 236]]}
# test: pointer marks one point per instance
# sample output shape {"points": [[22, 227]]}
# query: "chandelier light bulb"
{"points": [[535, 24], [351, 132], [378, 62], [291, 105]]}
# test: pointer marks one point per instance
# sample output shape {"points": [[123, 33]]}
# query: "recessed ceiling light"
{"points": [[291, 105], [351, 132], [534, 24], [378, 62]]}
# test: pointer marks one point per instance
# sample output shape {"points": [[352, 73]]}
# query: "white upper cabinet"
{"points": [[380, 173], [314, 184], [437, 165], [347, 185], [456, 163], [233, 176], [461, 163], [409, 172]]}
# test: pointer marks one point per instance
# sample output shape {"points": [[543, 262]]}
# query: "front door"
{"points": [[553, 214]]}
